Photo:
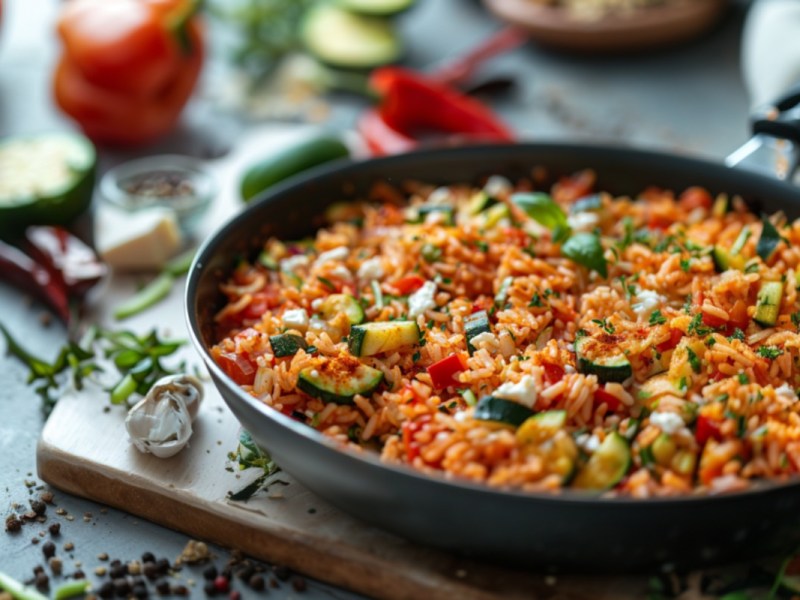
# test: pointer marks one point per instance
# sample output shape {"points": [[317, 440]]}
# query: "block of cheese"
{"points": [[136, 241]]}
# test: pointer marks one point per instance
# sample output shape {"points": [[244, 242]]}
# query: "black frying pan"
{"points": [[571, 530]]}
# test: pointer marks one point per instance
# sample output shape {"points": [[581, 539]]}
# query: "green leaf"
{"points": [[543, 209], [586, 249], [769, 240]]}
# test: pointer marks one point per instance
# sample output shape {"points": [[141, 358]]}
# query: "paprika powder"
{"points": [[128, 66]]}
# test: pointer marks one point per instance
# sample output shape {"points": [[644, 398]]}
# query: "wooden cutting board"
{"points": [[84, 450]]}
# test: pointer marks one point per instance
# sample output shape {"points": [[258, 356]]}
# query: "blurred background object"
{"points": [[610, 25]]}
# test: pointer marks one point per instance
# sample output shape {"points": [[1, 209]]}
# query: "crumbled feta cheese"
{"points": [[314, 373], [439, 196], [588, 442], [296, 317], [316, 303], [583, 221], [290, 264], [485, 338], [646, 302], [339, 253], [422, 299], [786, 391], [341, 272], [668, 422], [523, 392], [460, 416], [372, 268], [497, 185]]}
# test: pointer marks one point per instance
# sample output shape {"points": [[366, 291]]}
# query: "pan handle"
{"points": [[774, 148]]}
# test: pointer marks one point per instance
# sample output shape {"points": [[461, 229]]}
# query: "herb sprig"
{"points": [[137, 359]]}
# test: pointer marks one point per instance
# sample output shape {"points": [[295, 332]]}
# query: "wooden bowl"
{"points": [[641, 28]]}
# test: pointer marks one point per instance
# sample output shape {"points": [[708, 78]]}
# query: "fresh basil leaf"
{"points": [[586, 249], [542, 209], [769, 240]]}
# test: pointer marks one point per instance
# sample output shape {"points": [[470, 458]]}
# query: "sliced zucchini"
{"points": [[447, 212], [339, 385], [373, 338], [725, 260], [287, 344], [768, 303], [500, 410], [601, 359], [479, 202], [607, 466], [721, 206], [541, 426], [502, 293], [769, 240], [342, 303], [474, 325], [587, 203], [377, 8], [741, 240], [345, 39], [494, 214]]}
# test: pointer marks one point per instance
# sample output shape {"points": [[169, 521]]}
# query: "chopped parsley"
{"points": [[605, 325], [694, 361], [482, 246], [737, 334], [656, 318], [536, 301], [743, 378], [686, 264], [770, 352], [697, 327], [327, 283]]}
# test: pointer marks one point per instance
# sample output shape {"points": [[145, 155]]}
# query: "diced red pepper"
{"points": [[675, 336], [261, 303], [552, 373], [713, 320], [706, 429], [410, 429], [409, 284], [238, 367], [695, 197], [656, 221], [443, 372], [739, 318], [601, 396]]}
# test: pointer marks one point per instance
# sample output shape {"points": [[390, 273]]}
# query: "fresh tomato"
{"points": [[410, 429], [409, 284], [713, 321], [443, 372], [238, 367], [552, 373], [261, 303], [695, 197]]}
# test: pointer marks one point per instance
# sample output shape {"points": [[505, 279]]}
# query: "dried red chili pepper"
{"points": [[413, 106]]}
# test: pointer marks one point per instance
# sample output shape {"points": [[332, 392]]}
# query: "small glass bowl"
{"points": [[180, 183]]}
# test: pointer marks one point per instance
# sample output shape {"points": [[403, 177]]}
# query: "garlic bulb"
{"points": [[161, 423]]}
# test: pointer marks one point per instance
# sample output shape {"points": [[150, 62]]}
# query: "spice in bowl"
{"points": [[178, 183]]}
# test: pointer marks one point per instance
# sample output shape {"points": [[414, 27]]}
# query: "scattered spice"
{"points": [[194, 552], [256, 583], [102, 556], [49, 549], [13, 524], [38, 507], [159, 184], [56, 566], [47, 497], [69, 546], [55, 529], [100, 571]]}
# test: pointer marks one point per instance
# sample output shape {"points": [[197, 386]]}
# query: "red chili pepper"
{"points": [[21, 270], [408, 284], [705, 429], [413, 106], [66, 257], [602, 396], [443, 372]]}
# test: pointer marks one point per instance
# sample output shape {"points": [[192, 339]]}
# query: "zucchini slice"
{"points": [[286, 344], [377, 8], [768, 303], [474, 325], [601, 359], [725, 260], [339, 386], [494, 214], [479, 202], [607, 466], [373, 338], [541, 426], [500, 410], [447, 212], [342, 303], [345, 39]]}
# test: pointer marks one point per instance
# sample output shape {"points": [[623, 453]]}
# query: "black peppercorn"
{"points": [[180, 590], [245, 573], [282, 572], [78, 574], [148, 557], [13, 524], [118, 572], [122, 587], [256, 583], [140, 591], [106, 590], [209, 588], [299, 584], [55, 529], [49, 549], [210, 572], [150, 570], [163, 565], [162, 587], [38, 507]]}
